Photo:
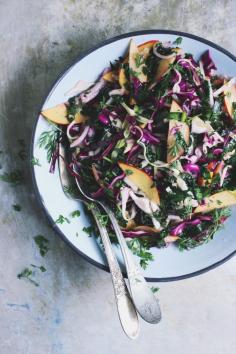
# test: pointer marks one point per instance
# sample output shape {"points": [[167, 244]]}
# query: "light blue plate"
{"points": [[169, 263]]}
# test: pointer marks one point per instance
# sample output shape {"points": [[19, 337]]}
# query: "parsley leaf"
{"points": [[35, 162], [75, 214], [16, 207], [178, 41], [62, 219], [42, 244], [13, 177], [27, 274]]}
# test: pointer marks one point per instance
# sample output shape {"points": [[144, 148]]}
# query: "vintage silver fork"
{"points": [[145, 302], [125, 306]]}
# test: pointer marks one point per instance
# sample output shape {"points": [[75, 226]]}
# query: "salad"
{"points": [[155, 136]]}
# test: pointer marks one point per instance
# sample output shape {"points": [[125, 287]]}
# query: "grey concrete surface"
{"points": [[73, 310]]}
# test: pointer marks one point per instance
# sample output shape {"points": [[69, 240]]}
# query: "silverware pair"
{"points": [[140, 298]]}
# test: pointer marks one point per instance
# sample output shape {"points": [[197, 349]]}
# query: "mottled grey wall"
{"points": [[73, 310]]}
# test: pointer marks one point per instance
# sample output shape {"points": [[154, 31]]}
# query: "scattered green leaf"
{"points": [[27, 274], [14, 177], [62, 219], [16, 207], [35, 162], [42, 244]]}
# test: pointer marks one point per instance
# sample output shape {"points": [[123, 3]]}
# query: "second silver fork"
{"points": [[145, 301]]}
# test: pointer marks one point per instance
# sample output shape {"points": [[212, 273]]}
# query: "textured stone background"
{"points": [[73, 310]]}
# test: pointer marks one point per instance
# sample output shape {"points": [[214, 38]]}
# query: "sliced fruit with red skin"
{"points": [[229, 99], [171, 239], [175, 107], [182, 127], [144, 49], [217, 201], [142, 180], [80, 118], [122, 77], [58, 115], [134, 54], [146, 228], [111, 76], [164, 65]]}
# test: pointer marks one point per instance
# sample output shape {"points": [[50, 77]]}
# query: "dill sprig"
{"points": [[48, 140]]}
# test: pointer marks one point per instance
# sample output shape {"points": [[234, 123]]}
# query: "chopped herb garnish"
{"points": [[75, 214], [139, 60], [70, 190], [16, 207], [178, 41], [42, 244], [42, 268], [178, 145], [48, 140], [154, 289], [14, 177], [128, 172], [62, 219], [89, 230], [35, 162], [27, 274]]}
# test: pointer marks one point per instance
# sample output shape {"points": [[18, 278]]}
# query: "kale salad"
{"points": [[155, 136]]}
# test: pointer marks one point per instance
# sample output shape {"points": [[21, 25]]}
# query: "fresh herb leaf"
{"points": [[178, 145], [178, 41], [48, 140], [128, 172], [139, 60], [75, 214], [62, 219], [35, 162], [42, 268], [42, 244], [16, 207], [140, 250], [27, 274], [71, 190], [154, 289], [13, 177], [89, 230]]}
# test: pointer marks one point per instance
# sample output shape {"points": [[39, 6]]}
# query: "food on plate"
{"points": [[155, 136]]}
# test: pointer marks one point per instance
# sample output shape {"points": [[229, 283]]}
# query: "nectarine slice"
{"points": [[229, 99], [142, 180], [217, 201]]}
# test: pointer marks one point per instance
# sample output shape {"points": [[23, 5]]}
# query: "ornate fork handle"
{"points": [[126, 310]]}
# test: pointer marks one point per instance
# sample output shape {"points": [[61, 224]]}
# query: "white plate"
{"points": [[169, 263]]}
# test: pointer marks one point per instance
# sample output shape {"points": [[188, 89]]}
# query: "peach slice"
{"points": [[175, 107], [217, 201], [144, 50], [58, 115], [111, 76], [142, 180], [229, 99], [134, 53], [122, 77], [164, 65]]}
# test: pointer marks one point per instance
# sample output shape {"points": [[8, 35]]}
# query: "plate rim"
{"points": [[49, 93]]}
